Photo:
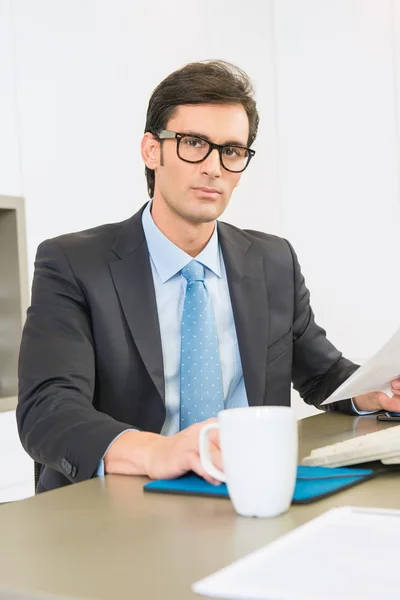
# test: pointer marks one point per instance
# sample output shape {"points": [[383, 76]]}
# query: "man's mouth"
{"points": [[207, 192]]}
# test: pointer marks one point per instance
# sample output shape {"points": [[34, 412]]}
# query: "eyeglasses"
{"points": [[195, 149]]}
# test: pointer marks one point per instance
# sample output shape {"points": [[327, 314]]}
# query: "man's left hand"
{"points": [[380, 400]]}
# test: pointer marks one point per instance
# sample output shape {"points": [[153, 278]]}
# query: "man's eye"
{"points": [[231, 151], [193, 142]]}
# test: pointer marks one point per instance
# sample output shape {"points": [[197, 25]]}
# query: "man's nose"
{"points": [[212, 164]]}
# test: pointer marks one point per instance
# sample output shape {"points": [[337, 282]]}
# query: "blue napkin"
{"points": [[312, 483]]}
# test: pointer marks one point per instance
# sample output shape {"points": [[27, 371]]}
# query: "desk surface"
{"points": [[106, 538]]}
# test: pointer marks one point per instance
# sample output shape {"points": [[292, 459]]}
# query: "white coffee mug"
{"points": [[259, 454]]}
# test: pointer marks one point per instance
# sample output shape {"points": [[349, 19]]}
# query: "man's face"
{"points": [[183, 186]]}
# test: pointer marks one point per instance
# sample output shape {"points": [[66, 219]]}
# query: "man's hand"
{"points": [[380, 400], [173, 456], [160, 457]]}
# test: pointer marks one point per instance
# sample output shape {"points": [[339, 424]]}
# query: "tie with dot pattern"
{"points": [[201, 382]]}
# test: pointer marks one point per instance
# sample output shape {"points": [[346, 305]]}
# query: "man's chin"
{"points": [[198, 218], [205, 213], [201, 218]]}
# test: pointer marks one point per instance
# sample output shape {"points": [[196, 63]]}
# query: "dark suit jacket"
{"points": [[91, 361]]}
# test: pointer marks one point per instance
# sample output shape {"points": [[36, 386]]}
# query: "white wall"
{"points": [[86, 70], [75, 79], [338, 159], [10, 180], [337, 89]]}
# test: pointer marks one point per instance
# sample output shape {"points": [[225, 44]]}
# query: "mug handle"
{"points": [[204, 449]]}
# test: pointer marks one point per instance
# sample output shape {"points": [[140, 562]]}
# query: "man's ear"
{"points": [[150, 148]]}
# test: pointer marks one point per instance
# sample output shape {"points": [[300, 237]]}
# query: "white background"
{"points": [[75, 79]]}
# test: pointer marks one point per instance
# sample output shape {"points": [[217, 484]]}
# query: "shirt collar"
{"points": [[168, 259]]}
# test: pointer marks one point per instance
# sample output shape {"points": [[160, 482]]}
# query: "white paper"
{"points": [[373, 376], [349, 553]]}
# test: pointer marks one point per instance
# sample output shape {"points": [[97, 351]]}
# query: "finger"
{"points": [[214, 448], [396, 385], [194, 432], [216, 456], [390, 404], [197, 467], [213, 437]]}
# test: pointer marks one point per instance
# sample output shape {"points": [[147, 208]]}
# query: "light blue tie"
{"points": [[201, 381]]}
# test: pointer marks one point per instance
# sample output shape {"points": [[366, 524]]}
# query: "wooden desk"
{"points": [[107, 539]]}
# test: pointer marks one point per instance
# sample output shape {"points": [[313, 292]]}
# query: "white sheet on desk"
{"points": [[374, 375], [345, 553]]}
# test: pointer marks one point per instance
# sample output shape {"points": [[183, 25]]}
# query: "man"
{"points": [[140, 331]]}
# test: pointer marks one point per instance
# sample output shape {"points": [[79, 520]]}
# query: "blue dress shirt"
{"points": [[166, 262]]}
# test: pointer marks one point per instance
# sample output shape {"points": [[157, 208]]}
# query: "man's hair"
{"points": [[210, 81]]}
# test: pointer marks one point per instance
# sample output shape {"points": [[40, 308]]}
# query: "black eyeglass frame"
{"points": [[165, 134]]}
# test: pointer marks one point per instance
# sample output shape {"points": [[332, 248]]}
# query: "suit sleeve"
{"points": [[318, 367], [57, 422]]}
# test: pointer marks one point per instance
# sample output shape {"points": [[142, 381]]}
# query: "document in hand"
{"points": [[373, 376], [347, 552]]}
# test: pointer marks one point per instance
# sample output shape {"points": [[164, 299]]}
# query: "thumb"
{"points": [[389, 404]]}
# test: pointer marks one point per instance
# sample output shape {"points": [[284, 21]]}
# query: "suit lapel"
{"points": [[248, 291], [133, 281]]}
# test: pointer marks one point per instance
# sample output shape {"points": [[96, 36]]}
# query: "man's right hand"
{"points": [[160, 457]]}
